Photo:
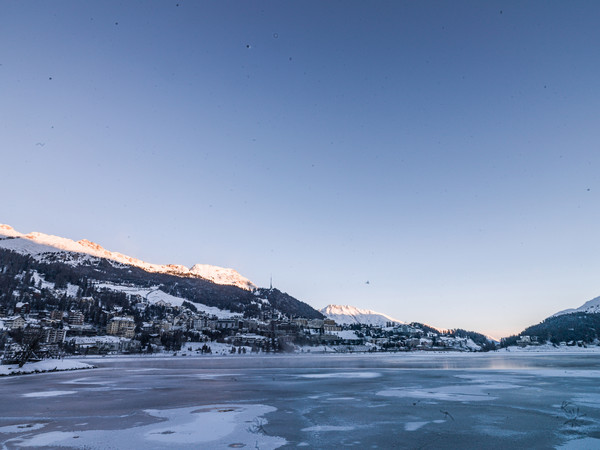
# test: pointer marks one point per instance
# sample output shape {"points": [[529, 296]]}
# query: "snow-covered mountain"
{"points": [[345, 314], [44, 246], [591, 307]]}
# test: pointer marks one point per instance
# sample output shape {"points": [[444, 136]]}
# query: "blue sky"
{"points": [[446, 152]]}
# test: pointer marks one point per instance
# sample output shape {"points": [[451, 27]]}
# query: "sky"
{"points": [[434, 161]]}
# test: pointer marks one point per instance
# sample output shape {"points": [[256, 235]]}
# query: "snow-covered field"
{"points": [[467, 401]]}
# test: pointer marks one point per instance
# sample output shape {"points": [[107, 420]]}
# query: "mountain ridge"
{"points": [[591, 307], [80, 265], [56, 244]]}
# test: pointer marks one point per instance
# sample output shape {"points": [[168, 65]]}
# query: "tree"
{"points": [[32, 339]]}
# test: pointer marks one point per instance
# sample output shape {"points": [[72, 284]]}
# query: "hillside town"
{"points": [[28, 332]]}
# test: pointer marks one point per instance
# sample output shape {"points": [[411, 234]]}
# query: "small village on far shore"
{"points": [[31, 334]]}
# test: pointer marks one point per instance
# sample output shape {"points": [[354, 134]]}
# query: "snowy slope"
{"points": [[39, 245], [590, 307], [154, 295], [345, 314]]}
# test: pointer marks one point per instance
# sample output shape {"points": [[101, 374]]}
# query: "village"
{"points": [[31, 333]]}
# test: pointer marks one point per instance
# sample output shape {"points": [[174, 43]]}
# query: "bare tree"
{"points": [[32, 339]]}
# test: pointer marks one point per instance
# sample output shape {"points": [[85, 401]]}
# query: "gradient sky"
{"points": [[446, 152]]}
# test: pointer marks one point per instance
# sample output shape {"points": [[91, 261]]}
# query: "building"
{"points": [[301, 322], [54, 335], [248, 339], [315, 324], [14, 322], [228, 324], [204, 323], [104, 344], [76, 318], [56, 315], [329, 326], [22, 308], [123, 326]]}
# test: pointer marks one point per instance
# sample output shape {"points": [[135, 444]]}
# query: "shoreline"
{"points": [[44, 366], [70, 363]]}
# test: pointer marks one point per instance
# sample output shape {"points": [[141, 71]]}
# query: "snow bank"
{"points": [[47, 365]]}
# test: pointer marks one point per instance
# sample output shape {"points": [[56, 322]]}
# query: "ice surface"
{"points": [[589, 399], [213, 426], [461, 393], [413, 426], [48, 394], [342, 375], [20, 428], [327, 401], [586, 443], [324, 428]]}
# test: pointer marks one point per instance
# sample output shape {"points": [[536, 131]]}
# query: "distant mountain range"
{"points": [[77, 265], [576, 325], [349, 315]]}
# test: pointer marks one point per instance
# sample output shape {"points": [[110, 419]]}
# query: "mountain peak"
{"points": [[90, 244], [8, 231], [346, 314], [222, 275]]}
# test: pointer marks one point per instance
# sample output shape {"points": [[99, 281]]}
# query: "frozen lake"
{"points": [[501, 400]]}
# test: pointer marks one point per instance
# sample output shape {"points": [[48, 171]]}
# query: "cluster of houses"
{"points": [[60, 332]]}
